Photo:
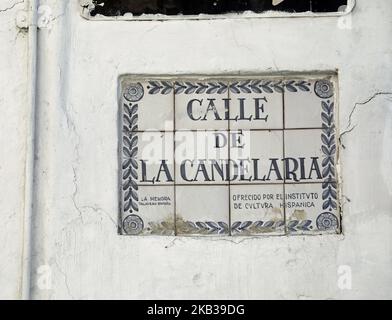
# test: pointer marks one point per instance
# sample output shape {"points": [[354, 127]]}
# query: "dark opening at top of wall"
{"points": [[195, 7]]}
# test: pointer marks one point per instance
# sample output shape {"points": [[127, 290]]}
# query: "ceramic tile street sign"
{"points": [[228, 157]]}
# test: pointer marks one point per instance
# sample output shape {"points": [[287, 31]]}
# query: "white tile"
{"points": [[310, 155], [148, 157], [257, 209], [256, 156], [201, 105], [201, 157], [202, 210], [148, 211], [147, 105], [256, 104], [303, 102], [312, 208]]}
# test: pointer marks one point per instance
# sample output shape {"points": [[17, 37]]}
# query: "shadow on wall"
{"points": [[195, 7]]}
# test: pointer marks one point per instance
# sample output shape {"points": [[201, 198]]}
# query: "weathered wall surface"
{"points": [[76, 184], [13, 85]]}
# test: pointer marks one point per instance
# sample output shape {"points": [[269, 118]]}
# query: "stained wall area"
{"points": [[77, 252]]}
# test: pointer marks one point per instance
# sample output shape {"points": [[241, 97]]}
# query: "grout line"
{"points": [[229, 158], [174, 166], [221, 130], [284, 164], [231, 184]]}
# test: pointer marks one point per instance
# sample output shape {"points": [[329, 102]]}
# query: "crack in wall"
{"points": [[11, 7], [75, 193], [76, 159], [65, 280], [71, 127], [80, 208], [97, 209], [232, 240], [344, 201], [350, 127]]}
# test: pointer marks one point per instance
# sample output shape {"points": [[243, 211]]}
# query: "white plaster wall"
{"points": [[76, 185], [13, 88]]}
